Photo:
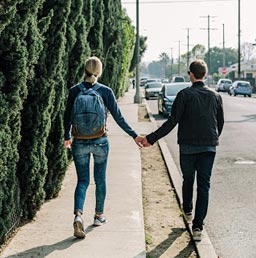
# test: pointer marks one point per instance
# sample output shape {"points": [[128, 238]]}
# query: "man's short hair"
{"points": [[198, 68]]}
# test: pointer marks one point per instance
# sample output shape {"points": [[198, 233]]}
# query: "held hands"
{"points": [[145, 143], [142, 141]]}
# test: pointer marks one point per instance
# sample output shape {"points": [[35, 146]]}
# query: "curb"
{"points": [[204, 248]]}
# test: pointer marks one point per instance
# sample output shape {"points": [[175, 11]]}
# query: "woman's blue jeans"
{"points": [[201, 164], [82, 150]]}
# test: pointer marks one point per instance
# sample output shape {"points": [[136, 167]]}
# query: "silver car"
{"points": [[152, 89], [223, 85]]}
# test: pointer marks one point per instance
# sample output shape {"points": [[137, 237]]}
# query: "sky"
{"points": [[166, 22]]}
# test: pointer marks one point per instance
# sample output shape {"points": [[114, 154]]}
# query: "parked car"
{"points": [[178, 79], [152, 89], [223, 85], [168, 94], [143, 81], [152, 80], [165, 80], [241, 88]]}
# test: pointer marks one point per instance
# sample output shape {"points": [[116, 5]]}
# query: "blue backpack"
{"points": [[88, 115]]}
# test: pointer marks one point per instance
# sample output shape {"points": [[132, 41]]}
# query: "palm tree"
{"points": [[164, 59]]}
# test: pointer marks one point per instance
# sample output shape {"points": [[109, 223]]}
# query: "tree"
{"points": [[42, 106], [164, 60], [71, 55], [21, 45], [143, 48], [216, 54], [247, 51], [77, 48], [172, 69], [197, 52], [95, 38], [155, 69]]}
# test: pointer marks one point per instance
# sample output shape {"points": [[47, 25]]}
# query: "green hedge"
{"points": [[43, 46]]}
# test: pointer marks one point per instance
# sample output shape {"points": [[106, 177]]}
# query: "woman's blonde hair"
{"points": [[92, 69]]}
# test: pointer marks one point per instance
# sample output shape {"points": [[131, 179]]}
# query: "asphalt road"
{"points": [[231, 216]]}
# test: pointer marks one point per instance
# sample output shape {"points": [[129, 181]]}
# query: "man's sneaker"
{"points": [[197, 234], [79, 227], [188, 217], [99, 220]]}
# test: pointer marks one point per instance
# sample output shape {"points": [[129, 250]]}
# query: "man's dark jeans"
{"points": [[201, 164]]}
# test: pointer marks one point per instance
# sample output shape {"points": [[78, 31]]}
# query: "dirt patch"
{"points": [[166, 234]]}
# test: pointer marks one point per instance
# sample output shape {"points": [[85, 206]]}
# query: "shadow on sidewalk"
{"points": [[187, 251], [44, 250], [163, 246]]}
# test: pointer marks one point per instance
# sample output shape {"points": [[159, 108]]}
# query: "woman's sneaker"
{"points": [[78, 227], [99, 220], [197, 234]]}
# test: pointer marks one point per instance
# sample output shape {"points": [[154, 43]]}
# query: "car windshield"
{"points": [[154, 85], [173, 90], [179, 79], [153, 80], [244, 85]]}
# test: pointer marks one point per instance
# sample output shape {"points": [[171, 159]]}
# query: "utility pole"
{"points": [[179, 60], [171, 62], [188, 55], [188, 45], [209, 56], [137, 97], [224, 50], [178, 56], [188, 49], [209, 40], [239, 38]]}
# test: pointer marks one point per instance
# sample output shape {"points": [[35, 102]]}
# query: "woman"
{"points": [[98, 146]]}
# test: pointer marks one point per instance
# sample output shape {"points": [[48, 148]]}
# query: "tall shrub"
{"points": [[42, 105], [112, 38], [95, 35], [77, 50], [13, 77], [77, 47]]}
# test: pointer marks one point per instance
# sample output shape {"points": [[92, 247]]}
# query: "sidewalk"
{"points": [[51, 232]]}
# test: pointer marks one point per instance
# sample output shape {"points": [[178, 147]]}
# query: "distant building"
{"points": [[247, 69], [247, 72]]}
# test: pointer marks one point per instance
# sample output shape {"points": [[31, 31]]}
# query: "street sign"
{"points": [[224, 71]]}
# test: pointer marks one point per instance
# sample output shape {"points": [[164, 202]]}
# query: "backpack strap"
{"points": [[81, 87], [96, 86]]}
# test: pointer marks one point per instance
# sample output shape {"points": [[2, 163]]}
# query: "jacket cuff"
{"points": [[134, 135], [151, 138], [67, 136]]}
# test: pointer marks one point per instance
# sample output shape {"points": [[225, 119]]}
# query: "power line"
{"points": [[177, 1], [208, 29], [239, 39], [188, 45]]}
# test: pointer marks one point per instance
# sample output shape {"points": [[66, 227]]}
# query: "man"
{"points": [[198, 111]]}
